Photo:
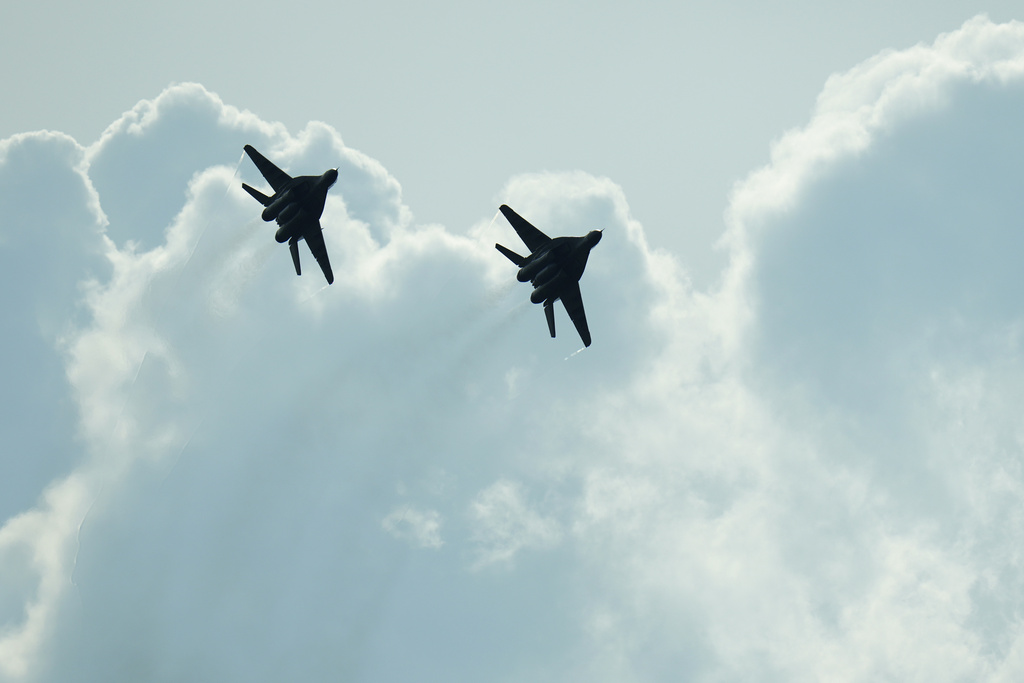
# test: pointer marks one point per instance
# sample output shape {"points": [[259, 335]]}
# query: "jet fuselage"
{"points": [[299, 203], [558, 263]]}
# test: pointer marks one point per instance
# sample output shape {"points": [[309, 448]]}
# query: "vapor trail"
{"points": [[209, 219], [575, 353]]}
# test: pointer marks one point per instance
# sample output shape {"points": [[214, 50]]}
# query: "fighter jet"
{"points": [[297, 204], [554, 267]]}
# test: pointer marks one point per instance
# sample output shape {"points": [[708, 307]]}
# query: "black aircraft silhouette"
{"points": [[554, 267], [297, 204]]}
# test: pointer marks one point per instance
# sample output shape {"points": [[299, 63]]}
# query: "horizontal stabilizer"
{"points": [[549, 312], [257, 195], [511, 255]]}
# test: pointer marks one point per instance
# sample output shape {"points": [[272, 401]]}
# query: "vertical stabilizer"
{"points": [[293, 247], [549, 313]]}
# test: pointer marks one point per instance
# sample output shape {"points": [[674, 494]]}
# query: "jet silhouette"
{"points": [[554, 267], [297, 204]]}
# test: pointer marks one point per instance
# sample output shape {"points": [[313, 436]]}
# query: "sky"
{"points": [[792, 452], [675, 102]]}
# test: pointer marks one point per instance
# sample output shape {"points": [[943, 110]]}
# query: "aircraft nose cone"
{"points": [[595, 237]]}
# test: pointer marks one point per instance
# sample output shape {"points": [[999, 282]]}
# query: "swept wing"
{"points": [[314, 237], [533, 238], [277, 178], [573, 302]]}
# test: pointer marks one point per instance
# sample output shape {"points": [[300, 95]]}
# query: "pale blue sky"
{"points": [[673, 101]]}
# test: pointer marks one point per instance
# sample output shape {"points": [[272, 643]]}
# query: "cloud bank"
{"points": [[214, 470]]}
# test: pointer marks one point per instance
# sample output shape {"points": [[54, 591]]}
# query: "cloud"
{"points": [[505, 524], [421, 527], [812, 472], [46, 248], [898, 267], [237, 430]]}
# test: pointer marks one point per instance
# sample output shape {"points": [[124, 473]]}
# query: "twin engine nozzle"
{"points": [[535, 270]]}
